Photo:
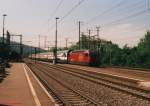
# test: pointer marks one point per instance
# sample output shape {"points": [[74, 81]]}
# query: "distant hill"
{"points": [[15, 46]]}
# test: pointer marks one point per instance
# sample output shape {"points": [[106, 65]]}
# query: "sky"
{"points": [[121, 21]]}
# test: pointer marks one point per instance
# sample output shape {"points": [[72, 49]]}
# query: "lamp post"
{"points": [[55, 50], [4, 15]]}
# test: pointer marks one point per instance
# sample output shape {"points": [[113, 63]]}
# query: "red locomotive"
{"points": [[84, 57]]}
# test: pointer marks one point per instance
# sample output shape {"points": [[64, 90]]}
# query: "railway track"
{"points": [[115, 83], [62, 92]]}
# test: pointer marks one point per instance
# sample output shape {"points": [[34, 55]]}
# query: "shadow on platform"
{"points": [[4, 105], [3, 76]]}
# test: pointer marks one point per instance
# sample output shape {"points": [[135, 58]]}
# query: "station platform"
{"points": [[21, 88]]}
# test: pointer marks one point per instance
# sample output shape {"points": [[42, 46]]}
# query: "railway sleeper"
{"points": [[71, 95], [83, 104], [78, 102], [75, 98]]}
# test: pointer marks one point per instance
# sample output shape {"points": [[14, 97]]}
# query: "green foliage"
{"points": [[143, 50], [111, 54]]}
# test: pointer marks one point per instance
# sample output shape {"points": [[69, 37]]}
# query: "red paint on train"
{"points": [[84, 57]]}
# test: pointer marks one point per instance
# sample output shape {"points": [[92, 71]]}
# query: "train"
{"points": [[78, 57], [84, 57]]}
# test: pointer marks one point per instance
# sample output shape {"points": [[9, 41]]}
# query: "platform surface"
{"points": [[15, 89]]}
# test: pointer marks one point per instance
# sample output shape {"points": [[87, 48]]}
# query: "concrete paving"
{"points": [[15, 89]]}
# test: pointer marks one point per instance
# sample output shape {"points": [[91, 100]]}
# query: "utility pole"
{"points": [[98, 37], [31, 49], [79, 34], [98, 29], [66, 43], [89, 31], [8, 43], [48, 51], [8, 38], [45, 41], [82, 42], [21, 46], [35, 52], [55, 50], [39, 47], [4, 15], [94, 42]]}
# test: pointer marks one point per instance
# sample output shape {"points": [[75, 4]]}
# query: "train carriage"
{"points": [[80, 57]]}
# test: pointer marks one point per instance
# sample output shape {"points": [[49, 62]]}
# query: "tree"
{"points": [[111, 54], [143, 50]]}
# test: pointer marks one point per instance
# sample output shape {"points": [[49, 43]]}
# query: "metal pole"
{"points": [[98, 40], [35, 52], [89, 37], [97, 31], [31, 51], [4, 15], [79, 33], [66, 43], [45, 42], [21, 47], [55, 52], [39, 47], [82, 41]]}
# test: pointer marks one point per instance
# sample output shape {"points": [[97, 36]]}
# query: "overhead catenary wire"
{"points": [[128, 9], [72, 9], [133, 6], [53, 13], [129, 16], [56, 9], [109, 10], [69, 12], [125, 18], [102, 14], [118, 20], [106, 11]]}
